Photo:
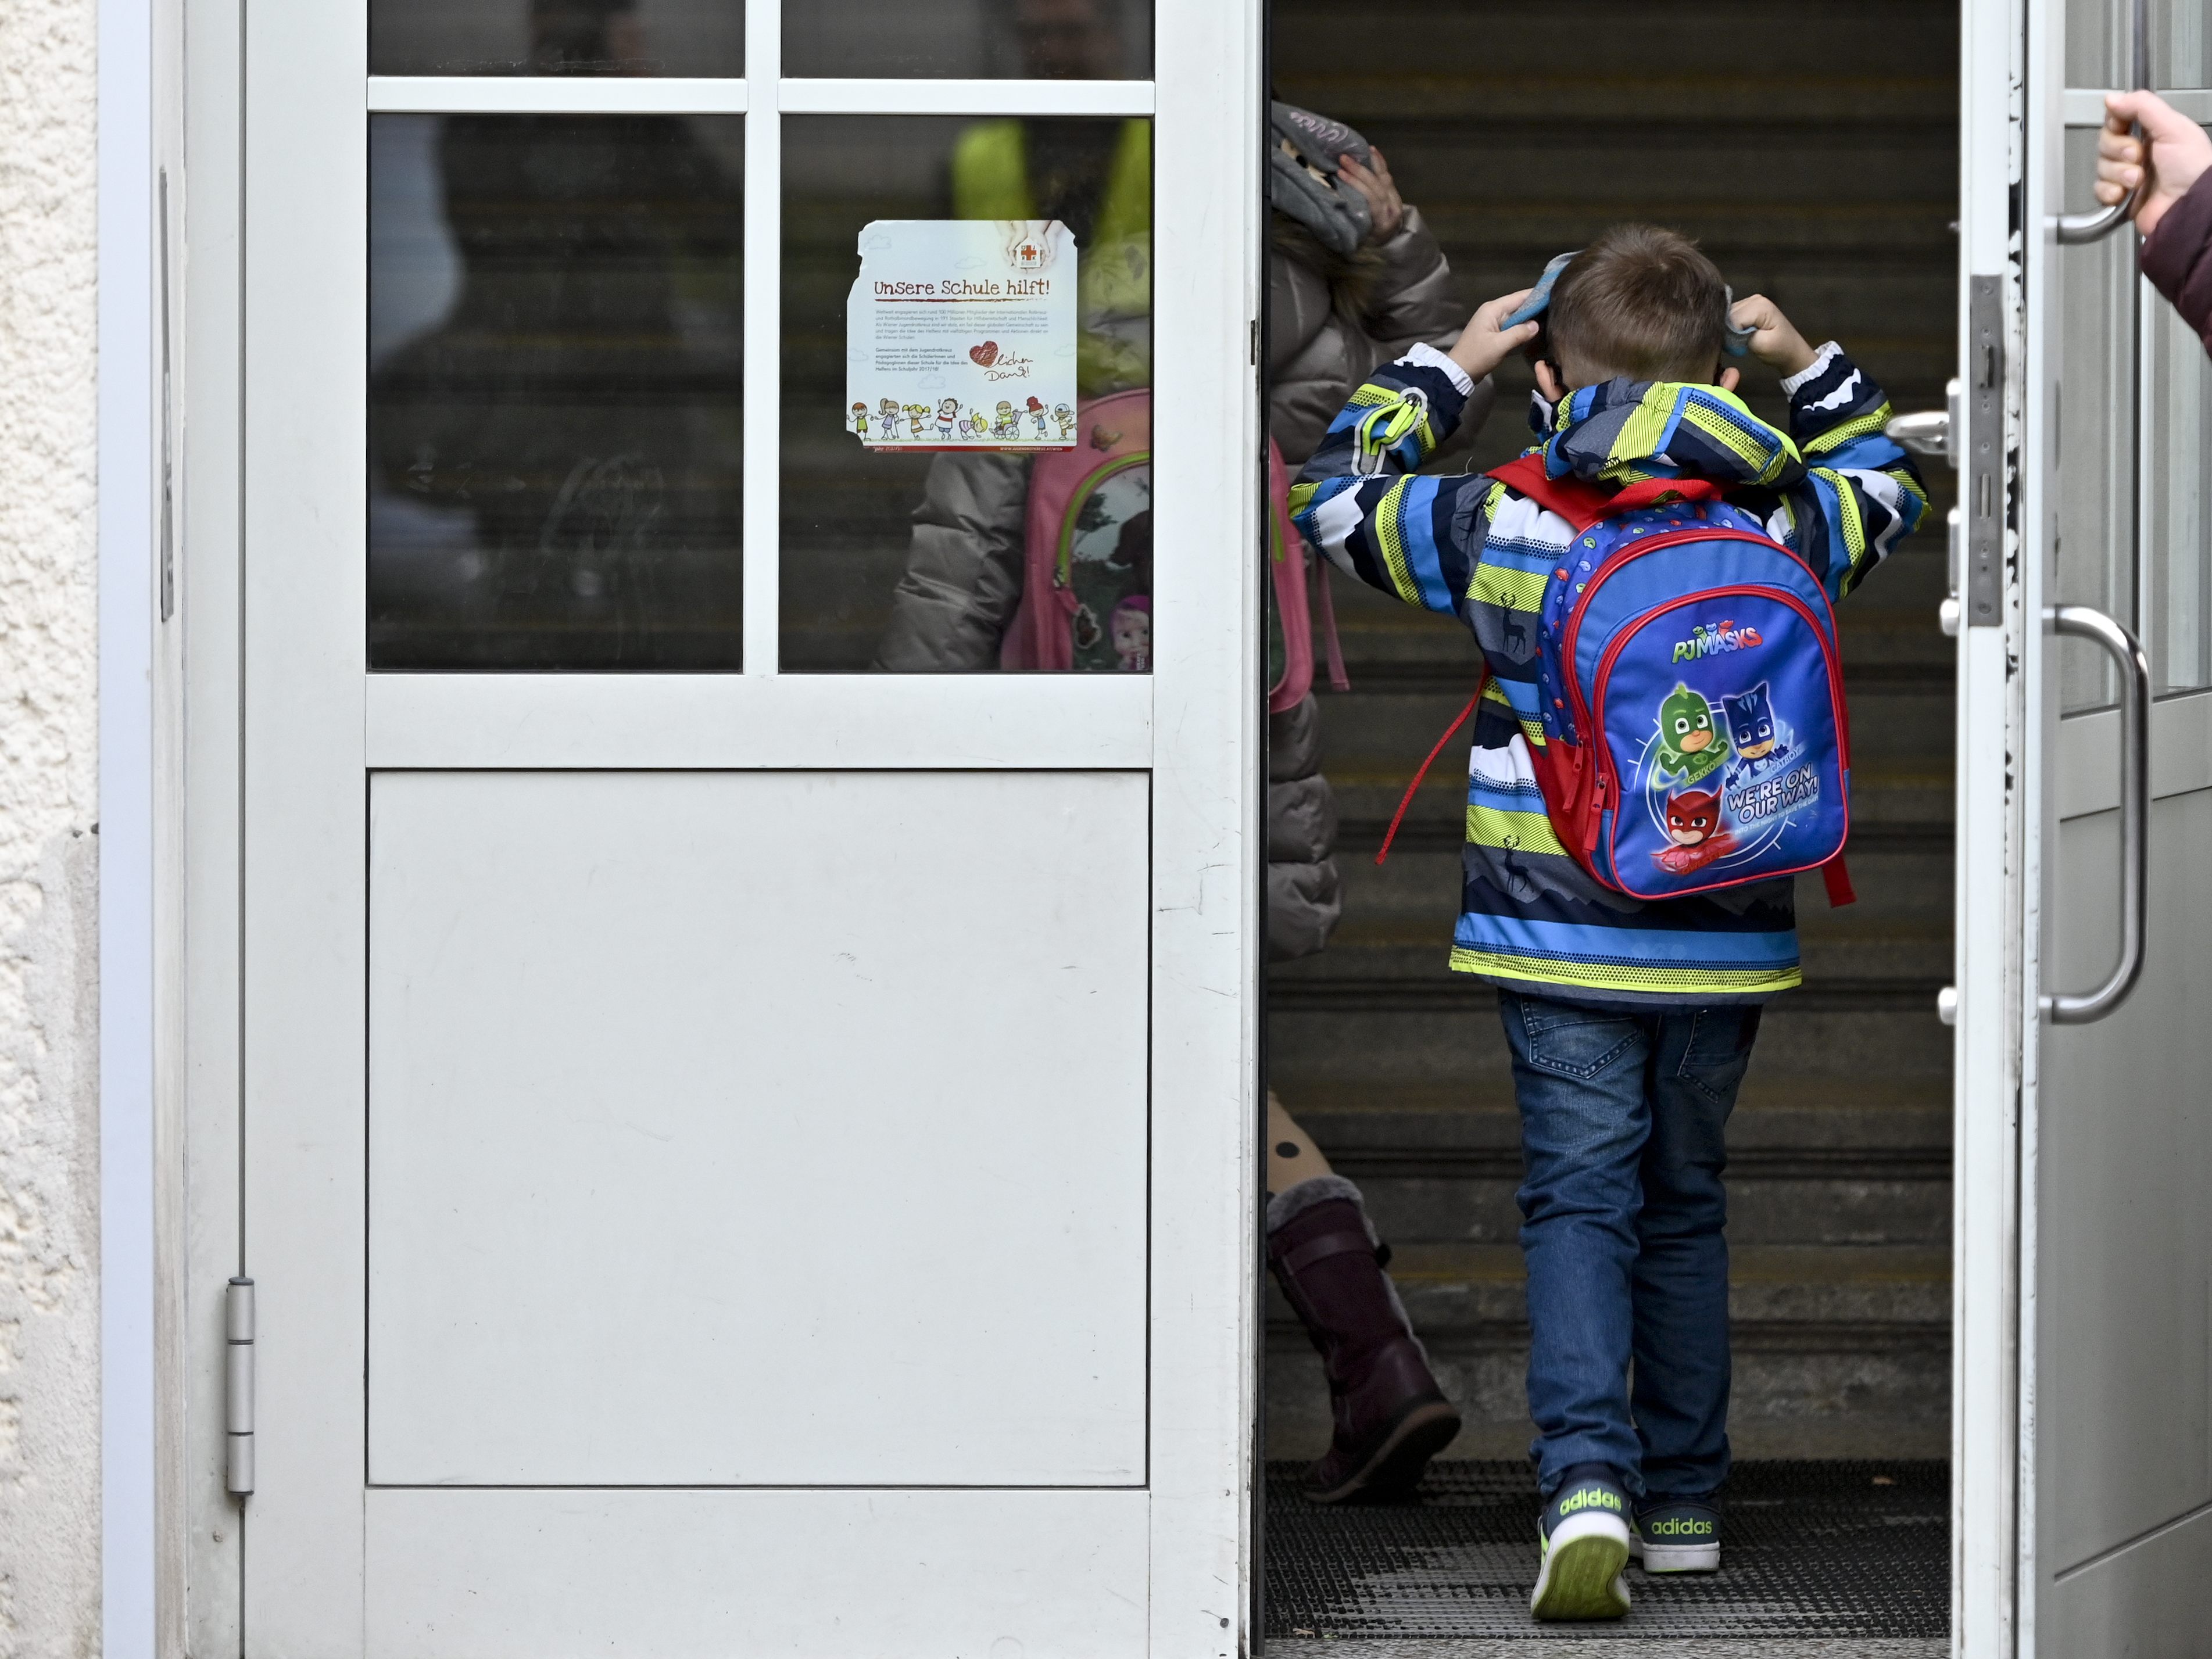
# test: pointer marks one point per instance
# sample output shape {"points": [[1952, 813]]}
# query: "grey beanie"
{"points": [[1302, 175]]}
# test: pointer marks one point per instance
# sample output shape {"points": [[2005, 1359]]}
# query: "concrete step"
{"points": [[1812, 1161], [1839, 1352]]}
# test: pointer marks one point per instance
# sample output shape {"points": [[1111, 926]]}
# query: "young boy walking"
{"points": [[1631, 1022]]}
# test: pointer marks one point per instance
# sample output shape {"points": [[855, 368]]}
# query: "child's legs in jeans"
{"points": [[1680, 1274], [1579, 1076]]}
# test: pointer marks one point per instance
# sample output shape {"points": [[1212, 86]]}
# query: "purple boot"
{"points": [[1390, 1416]]}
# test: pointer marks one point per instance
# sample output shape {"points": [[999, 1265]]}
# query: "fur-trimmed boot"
{"points": [[1390, 1416]]}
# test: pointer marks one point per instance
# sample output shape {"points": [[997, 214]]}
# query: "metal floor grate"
{"points": [[1812, 1551]]}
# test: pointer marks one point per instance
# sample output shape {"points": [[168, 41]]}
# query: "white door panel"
{"points": [[761, 1127], [2145, 1601], [2125, 1236], [2109, 1410], [706, 1575]]}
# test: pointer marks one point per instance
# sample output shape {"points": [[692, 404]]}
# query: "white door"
{"points": [[2084, 1299], [741, 1153]]}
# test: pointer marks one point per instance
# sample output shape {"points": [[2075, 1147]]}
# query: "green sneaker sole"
{"points": [[1581, 1575]]}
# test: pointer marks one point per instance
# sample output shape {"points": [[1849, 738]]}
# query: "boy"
{"points": [[1630, 1023]]}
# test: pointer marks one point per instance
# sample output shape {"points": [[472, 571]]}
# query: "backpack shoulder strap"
{"points": [[1577, 501], [1582, 503]]}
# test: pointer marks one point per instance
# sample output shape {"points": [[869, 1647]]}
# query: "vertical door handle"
{"points": [[2079, 621], [2074, 229]]}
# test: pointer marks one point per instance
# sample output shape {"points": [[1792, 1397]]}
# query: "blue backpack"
{"points": [[1695, 732]]}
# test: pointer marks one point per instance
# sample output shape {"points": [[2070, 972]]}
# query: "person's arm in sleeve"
{"points": [[2172, 163], [963, 581], [1359, 500], [1860, 493]]}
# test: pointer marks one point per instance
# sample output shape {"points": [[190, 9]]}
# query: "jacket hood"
{"points": [[1624, 431]]}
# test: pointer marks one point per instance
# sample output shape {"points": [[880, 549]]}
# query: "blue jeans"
{"points": [[1622, 1115]]}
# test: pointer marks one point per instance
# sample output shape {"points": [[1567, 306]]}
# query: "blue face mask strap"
{"points": [[1736, 341]]}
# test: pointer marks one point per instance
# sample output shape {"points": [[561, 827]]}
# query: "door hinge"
{"points": [[237, 1331]]}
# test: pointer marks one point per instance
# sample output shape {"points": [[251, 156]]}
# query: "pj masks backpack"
{"points": [[1696, 736]]}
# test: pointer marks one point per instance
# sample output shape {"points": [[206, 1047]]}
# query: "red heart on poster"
{"points": [[985, 354]]}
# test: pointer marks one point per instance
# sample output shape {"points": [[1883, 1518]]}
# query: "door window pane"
{"points": [[2097, 51], [556, 37], [1033, 40], [943, 509], [2179, 506], [554, 391], [2180, 44], [2096, 436]]}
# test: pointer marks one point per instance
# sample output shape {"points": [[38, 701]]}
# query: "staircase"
{"points": [[1814, 157]]}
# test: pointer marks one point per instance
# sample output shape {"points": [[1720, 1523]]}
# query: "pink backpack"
{"points": [[1087, 591]]}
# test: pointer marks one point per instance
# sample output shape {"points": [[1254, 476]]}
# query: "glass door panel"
{"points": [[554, 391], [2095, 442], [2178, 505], [556, 37], [906, 502], [1026, 39]]}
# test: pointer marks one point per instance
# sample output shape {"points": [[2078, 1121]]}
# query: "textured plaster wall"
{"points": [[48, 1164]]}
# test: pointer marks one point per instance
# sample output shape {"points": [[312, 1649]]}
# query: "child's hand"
{"points": [[1386, 209], [1482, 345], [2178, 153], [1774, 340]]}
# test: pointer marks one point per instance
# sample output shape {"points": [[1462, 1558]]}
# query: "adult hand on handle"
{"points": [[2174, 150]]}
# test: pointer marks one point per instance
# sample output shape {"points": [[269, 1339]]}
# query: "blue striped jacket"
{"points": [[1834, 489]]}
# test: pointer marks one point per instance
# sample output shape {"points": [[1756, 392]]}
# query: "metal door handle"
{"points": [[2081, 622], [2074, 229]]}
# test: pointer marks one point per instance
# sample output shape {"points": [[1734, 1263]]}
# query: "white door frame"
{"points": [[1194, 724], [1994, 922]]}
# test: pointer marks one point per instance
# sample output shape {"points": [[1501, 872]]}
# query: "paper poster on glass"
{"points": [[960, 334]]}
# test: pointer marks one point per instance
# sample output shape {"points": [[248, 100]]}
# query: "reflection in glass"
{"points": [[2096, 437], [1035, 39], [2179, 506], [907, 560], [556, 37], [554, 391]]}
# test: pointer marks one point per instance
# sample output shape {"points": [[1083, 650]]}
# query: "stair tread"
{"points": [[1435, 1263]]}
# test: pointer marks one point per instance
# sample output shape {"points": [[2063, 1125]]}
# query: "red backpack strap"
{"points": [[1405, 801], [1577, 501], [1582, 503]]}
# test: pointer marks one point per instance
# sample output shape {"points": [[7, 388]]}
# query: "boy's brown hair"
{"points": [[1640, 301]]}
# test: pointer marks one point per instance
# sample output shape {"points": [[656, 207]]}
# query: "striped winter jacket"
{"points": [[1836, 491]]}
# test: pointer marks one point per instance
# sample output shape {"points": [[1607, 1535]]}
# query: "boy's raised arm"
{"points": [[1861, 492], [1357, 500]]}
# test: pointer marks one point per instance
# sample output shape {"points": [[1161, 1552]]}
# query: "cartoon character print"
{"points": [[888, 412], [1007, 424], [917, 417], [1761, 741], [946, 412], [1130, 626], [1037, 412], [1065, 418], [977, 426], [860, 422], [1691, 745], [1694, 830]]}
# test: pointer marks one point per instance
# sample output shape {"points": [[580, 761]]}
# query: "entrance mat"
{"points": [[1817, 1553]]}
